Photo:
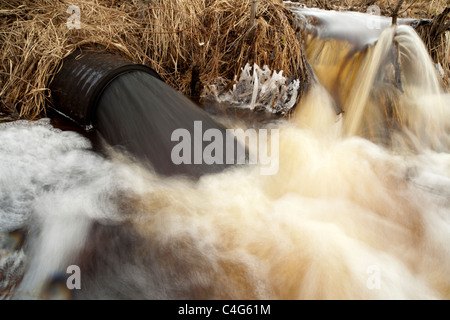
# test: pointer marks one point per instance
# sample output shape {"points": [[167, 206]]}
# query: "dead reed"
{"points": [[174, 37]]}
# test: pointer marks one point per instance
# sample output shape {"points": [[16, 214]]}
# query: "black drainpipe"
{"points": [[76, 93], [83, 75]]}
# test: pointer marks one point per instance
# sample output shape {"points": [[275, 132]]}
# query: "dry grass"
{"points": [[177, 38], [174, 37]]}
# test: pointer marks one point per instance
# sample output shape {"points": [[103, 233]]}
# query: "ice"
{"points": [[257, 88]]}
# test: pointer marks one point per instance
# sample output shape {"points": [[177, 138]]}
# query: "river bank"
{"points": [[191, 44]]}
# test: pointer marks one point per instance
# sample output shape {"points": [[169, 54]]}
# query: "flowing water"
{"points": [[359, 209]]}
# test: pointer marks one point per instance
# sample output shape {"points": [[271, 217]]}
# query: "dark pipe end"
{"points": [[83, 76]]}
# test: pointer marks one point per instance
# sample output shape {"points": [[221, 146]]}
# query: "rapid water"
{"points": [[359, 209]]}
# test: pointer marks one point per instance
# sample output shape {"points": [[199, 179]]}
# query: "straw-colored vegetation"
{"points": [[175, 37]]}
